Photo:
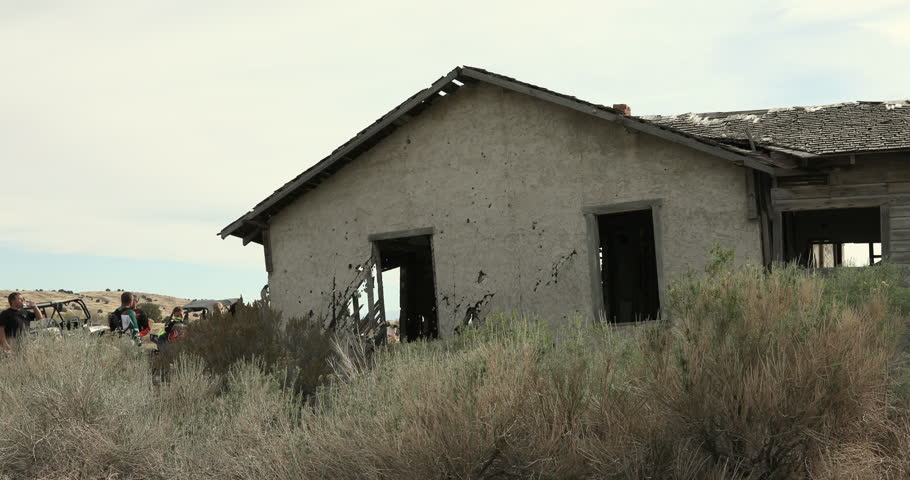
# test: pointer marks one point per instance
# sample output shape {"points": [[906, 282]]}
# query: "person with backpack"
{"points": [[173, 328], [142, 321], [125, 319]]}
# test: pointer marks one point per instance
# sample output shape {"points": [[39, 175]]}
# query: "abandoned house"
{"points": [[487, 194]]}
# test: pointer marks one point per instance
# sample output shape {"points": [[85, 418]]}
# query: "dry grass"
{"points": [[758, 376]]}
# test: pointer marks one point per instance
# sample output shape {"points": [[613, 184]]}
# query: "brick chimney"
{"points": [[622, 107]]}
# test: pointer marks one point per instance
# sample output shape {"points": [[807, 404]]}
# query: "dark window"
{"points": [[833, 237], [412, 257], [628, 266]]}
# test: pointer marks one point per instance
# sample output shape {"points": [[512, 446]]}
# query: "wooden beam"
{"points": [[377, 259], [355, 299], [267, 250], [767, 254], [621, 207], [251, 237], [257, 223], [593, 243], [831, 162], [370, 296], [886, 229], [828, 203], [751, 203], [900, 235], [414, 232], [656, 218], [829, 191], [777, 249]]}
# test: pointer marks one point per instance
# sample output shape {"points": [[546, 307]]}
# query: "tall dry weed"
{"points": [[753, 375]]}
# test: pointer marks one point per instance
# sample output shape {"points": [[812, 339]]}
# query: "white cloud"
{"points": [[896, 29], [812, 11], [180, 116]]}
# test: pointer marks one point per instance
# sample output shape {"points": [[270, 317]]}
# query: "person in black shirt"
{"points": [[15, 318]]}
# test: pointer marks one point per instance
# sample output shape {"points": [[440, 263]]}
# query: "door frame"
{"points": [[593, 242]]}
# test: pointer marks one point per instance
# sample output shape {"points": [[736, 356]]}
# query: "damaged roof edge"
{"points": [[361, 137], [247, 226], [635, 123]]}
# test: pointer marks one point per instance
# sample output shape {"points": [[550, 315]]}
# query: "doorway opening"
{"points": [[412, 259], [627, 258], [833, 237]]}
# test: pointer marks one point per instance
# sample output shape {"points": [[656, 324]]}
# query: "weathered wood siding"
{"points": [[879, 180]]}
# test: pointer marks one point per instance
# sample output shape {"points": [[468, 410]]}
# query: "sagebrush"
{"points": [[751, 375]]}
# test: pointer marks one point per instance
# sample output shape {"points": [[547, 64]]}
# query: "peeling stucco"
{"points": [[502, 178]]}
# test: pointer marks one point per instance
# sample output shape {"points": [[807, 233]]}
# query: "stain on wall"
{"points": [[502, 179]]}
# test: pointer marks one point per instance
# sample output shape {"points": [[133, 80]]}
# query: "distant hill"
{"points": [[97, 302]]}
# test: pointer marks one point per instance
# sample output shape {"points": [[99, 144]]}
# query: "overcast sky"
{"points": [[131, 132]]}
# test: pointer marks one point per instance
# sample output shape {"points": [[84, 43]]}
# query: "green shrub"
{"points": [[752, 375], [296, 349], [153, 310]]}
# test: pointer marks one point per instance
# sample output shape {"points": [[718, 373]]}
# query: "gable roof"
{"points": [[249, 226], [838, 129]]}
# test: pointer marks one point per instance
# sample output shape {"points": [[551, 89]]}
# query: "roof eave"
{"points": [[322, 165], [257, 218]]}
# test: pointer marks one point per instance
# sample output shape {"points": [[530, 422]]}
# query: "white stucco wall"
{"points": [[503, 178]]}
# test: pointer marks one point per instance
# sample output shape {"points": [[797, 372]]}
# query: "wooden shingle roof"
{"points": [[838, 129]]}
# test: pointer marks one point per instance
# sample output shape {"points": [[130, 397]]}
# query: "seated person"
{"points": [[173, 328]]}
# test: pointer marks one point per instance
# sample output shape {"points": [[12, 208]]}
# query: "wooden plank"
{"points": [[355, 298], [885, 227], [899, 244], [829, 191], [821, 204], [403, 303], [252, 236], [656, 215], [377, 259], [900, 257], [414, 232], [899, 187], [751, 205], [622, 207], [778, 234], [900, 211], [267, 250], [766, 248], [370, 297], [593, 244], [829, 162], [765, 209], [900, 234], [900, 248], [899, 222]]}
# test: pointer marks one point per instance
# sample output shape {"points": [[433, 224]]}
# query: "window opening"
{"points": [[628, 266], [409, 260], [833, 237]]}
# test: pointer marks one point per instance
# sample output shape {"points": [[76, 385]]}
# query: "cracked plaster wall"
{"points": [[502, 178]]}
